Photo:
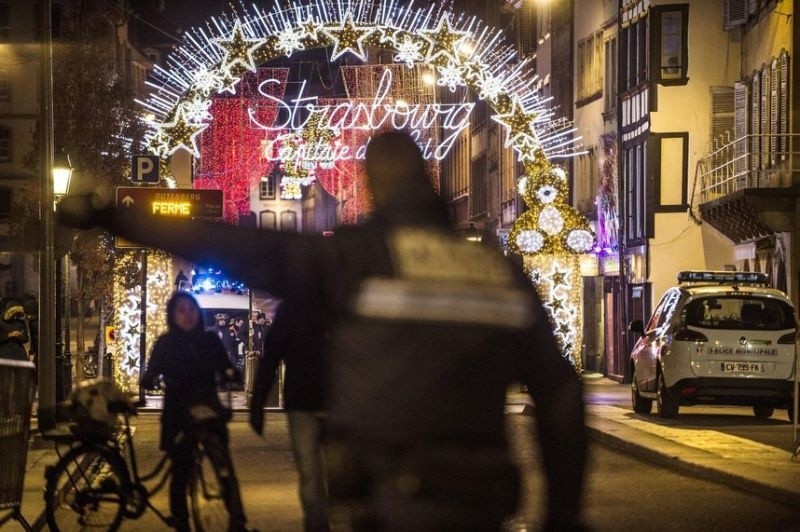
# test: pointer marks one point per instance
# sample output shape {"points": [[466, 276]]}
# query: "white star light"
{"points": [[450, 76], [289, 40], [235, 41], [409, 52], [348, 37]]}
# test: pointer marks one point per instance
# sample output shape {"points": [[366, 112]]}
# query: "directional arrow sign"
{"points": [[170, 202]]}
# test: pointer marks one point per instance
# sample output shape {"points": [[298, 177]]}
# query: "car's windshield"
{"points": [[739, 312]]}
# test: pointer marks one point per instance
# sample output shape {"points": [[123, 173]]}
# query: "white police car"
{"points": [[716, 338]]}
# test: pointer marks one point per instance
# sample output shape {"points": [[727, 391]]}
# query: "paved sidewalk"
{"points": [[705, 453]]}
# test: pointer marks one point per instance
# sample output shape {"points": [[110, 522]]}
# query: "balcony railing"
{"points": [[752, 161]]}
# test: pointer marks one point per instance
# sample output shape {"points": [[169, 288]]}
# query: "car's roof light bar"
{"points": [[723, 277]]}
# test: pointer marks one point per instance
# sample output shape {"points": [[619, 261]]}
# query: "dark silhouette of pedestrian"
{"points": [[427, 331], [13, 332], [191, 361], [297, 337]]}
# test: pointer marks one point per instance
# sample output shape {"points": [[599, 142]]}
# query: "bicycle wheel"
{"points": [[213, 488], [86, 490]]}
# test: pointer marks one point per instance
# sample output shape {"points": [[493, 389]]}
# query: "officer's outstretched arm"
{"points": [[556, 391], [262, 259]]}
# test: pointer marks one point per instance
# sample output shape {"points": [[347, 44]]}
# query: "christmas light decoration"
{"points": [[216, 59], [558, 280], [127, 298]]}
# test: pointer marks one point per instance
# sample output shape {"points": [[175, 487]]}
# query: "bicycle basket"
{"points": [[88, 406]]}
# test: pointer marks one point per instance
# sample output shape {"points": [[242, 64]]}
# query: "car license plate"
{"points": [[738, 367]]}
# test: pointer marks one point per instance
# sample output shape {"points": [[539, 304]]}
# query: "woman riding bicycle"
{"points": [[190, 360]]}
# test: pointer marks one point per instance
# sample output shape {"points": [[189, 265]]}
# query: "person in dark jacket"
{"points": [[191, 361], [260, 330], [13, 332], [427, 331], [297, 337], [227, 335]]}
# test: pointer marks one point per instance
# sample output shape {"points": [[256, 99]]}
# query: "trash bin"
{"points": [[250, 369], [17, 382]]}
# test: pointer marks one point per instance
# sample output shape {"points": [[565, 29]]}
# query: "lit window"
{"points": [[266, 188]]}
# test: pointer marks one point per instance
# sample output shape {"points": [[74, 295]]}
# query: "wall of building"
{"points": [[766, 37], [679, 243]]}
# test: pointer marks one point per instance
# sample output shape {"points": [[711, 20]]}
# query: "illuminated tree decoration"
{"points": [[128, 316]]}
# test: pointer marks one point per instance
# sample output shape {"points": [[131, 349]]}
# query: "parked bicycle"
{"points": [[93, 485]]}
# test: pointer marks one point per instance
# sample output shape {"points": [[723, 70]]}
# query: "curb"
{"points": [[676, 463]]}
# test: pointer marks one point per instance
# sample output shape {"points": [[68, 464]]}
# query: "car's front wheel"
{"points": [[667, 405], [763, 411], [641, 405]]}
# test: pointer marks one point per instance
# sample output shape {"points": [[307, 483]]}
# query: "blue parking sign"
{"points": [[144, 169]]}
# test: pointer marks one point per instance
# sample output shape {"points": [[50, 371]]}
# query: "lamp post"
{"points": [[472, 233], [62, 175]]}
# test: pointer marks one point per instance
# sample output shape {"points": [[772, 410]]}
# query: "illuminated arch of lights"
{"points": [[464, 53]]}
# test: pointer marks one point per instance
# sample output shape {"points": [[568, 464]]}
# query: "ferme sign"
{"points": [[171, 202]]}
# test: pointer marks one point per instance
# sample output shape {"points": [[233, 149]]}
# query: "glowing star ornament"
{"points": [[228, 82], [310, 29], [180, 133], [348, 37], [444, 40], [517, 121], [197, 110], [238, 49]]}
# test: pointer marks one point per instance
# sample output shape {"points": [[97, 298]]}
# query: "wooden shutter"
{"points": [[722, 115], [734, 14], [764, 112], [755, 120], [773, 111], [740, 149], [783, 120]]}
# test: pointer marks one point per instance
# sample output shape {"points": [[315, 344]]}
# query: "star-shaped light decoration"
{"points": [[310, 29], [228, 82], [518, 122], [444, 40], [238, 49], [557, 304], [348, 38], [180, 133], [564, 330], [559, 278]]}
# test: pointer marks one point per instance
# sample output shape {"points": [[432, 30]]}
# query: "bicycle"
{"points": [[92, 484]]}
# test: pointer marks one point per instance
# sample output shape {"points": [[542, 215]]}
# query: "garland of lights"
{"points": [[463, 52], [128, 316]]}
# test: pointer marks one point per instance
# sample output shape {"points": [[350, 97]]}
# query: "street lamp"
{"points": [[473, 235], [61, 173]]}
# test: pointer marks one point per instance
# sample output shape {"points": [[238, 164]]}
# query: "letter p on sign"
{"points": [[144, 169]]}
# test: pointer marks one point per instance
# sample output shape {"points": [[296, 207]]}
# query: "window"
{"points": [[289, 221], [5, 145], [610, 78], [268, 220], [670, 54], [5, 86], [266, 188], [5, 202], [635, 190], [634, 54], [590, 67], [477, 198], [5, 23]]}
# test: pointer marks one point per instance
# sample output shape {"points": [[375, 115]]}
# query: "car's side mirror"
{"points": [[636, 326]]}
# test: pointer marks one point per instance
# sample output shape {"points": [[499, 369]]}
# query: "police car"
{"points": [[716, 338]]}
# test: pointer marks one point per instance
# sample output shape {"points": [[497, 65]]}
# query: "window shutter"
{"points": [[734, 14], [755, 120], [764, 112], [752, 6], [722, 108], [783, 119], [773, 111], [740, 149], [526, 30]]}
